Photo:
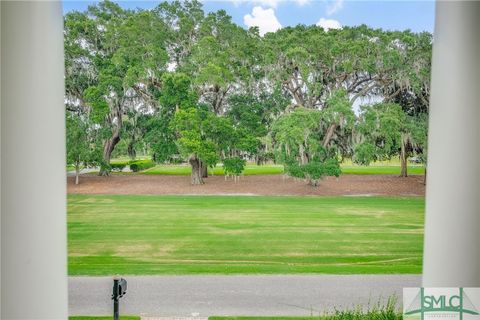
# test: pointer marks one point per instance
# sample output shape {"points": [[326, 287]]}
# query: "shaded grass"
{"points": [[148, 235]]}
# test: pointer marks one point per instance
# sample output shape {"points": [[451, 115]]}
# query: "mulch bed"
{"points": [[354, 185]]}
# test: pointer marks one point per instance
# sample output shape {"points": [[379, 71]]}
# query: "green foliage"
{"points": [[313, 171], [298, 135], [380, 126], [234, 166], [140, 165], [176, 92], [83, 147], [364, 153], [417, 129], [384, 127], [289, 93], [338, 110], [99, 107], [193, 139]]}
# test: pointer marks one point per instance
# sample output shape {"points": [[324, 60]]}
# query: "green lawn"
{"points": [[380, 169], [252, 169], [110, 235], [385, 167]]}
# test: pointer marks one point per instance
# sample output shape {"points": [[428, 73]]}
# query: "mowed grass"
{"points": [[252, 169], [381, 169], [146, 235]]}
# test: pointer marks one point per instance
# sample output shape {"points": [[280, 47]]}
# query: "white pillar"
{"points": [[33, 191], [452, 227]]}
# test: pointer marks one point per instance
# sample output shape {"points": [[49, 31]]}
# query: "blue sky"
{"points": [[270, 15]]}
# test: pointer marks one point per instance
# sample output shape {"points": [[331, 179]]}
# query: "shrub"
{"points": [[375, 312], [140, 165], [313, 171], [234, 166], [293, 169]]}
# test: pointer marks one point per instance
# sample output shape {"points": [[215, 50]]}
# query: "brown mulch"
{"points": [[382, 185]]}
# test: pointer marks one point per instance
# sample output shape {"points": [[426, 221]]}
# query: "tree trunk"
{"points": [[403, 160], [108, 148], [329, 135], [302, 155], [77, 172], [110, 144], [196, 170], [204, 170], [425, 177], [131, 150], [312, 182]]}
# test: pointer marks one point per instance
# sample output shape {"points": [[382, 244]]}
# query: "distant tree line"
{"points": [[183, 85]]}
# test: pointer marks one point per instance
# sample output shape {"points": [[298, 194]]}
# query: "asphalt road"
{"points": [[259, 295]]}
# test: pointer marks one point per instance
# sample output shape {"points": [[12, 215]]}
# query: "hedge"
{"points": [[140, 165]]}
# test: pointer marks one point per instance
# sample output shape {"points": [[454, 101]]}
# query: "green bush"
{"points": [[234, 166], [140, 165], [313, 171]]}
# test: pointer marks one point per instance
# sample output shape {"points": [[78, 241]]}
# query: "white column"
{"points": [[33, 191], [452, 227]]}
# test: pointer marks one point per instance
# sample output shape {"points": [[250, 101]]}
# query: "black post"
{"points": [[119, 290], [116, 297]]}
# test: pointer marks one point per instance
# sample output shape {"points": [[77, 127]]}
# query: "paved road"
{"points": [[202, 296]]}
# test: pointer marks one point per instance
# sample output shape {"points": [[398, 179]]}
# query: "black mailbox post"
{"points": [[119, 290]]}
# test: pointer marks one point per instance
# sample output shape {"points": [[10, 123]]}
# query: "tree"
{"points": [[311, 64], [253, 116], [384, 130], [300, 148], [132, 71], [176, 94], [194, 143], [82, 147], [234, 166], [114, 58], [378, 132], [223, 60]]}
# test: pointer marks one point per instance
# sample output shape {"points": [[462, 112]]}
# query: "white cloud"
{"points": [[334, 7], [328, 24], [264, 19]]}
